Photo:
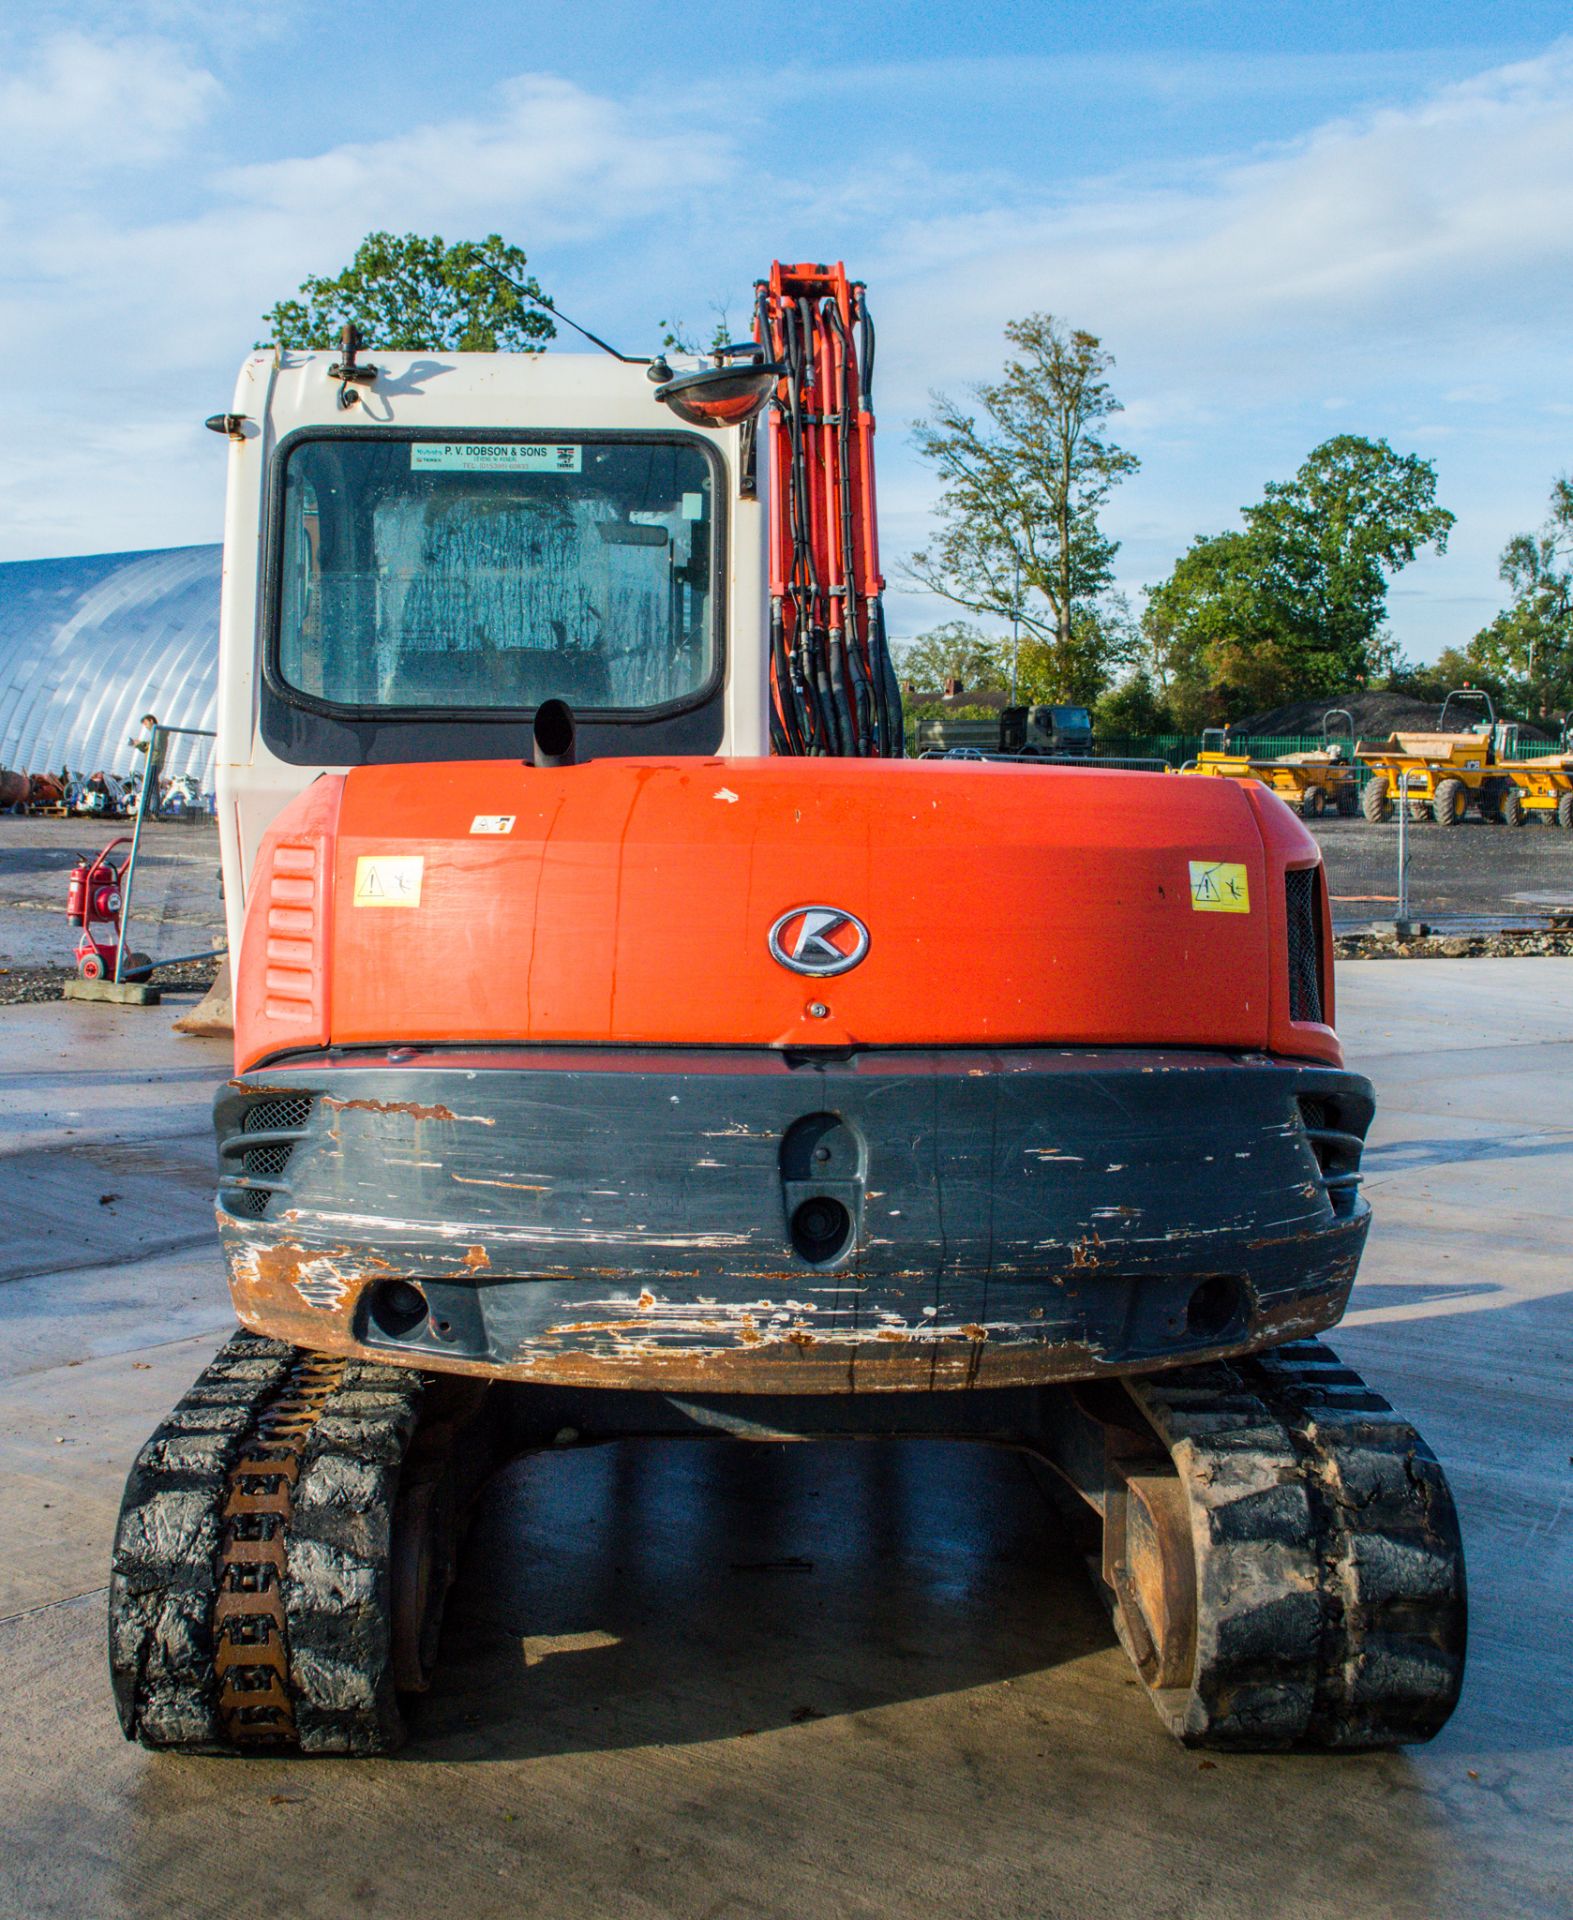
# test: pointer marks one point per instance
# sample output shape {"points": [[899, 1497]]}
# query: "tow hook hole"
{"points": [[821, 1229], [1213, 1308], [397, 1308]]}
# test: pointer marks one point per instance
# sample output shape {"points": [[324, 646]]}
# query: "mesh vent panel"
{"points": [[267, 1115], [1336, 1134], [1305, 981], [268, 1160]]}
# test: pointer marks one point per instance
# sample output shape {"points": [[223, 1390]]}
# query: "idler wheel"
{"points": [[1151, 1565]]}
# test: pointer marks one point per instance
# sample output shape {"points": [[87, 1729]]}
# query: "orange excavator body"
{"points": [[630, 902], [773, 1076]]}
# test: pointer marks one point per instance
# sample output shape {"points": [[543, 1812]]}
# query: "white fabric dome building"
{"points": [[90, 644]]}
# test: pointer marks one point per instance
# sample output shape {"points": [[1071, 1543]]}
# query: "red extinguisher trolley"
{"points": [[94, 906]]}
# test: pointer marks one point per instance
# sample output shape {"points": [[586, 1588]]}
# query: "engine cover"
{"points": [[781, 903]]}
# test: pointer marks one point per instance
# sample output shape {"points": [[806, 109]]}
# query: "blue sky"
{"points": [[1286, 222]]}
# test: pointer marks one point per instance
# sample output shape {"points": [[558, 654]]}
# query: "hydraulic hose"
{"points": [[833, 687]]}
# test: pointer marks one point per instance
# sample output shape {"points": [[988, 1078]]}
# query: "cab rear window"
{"points": [[426, 575]]}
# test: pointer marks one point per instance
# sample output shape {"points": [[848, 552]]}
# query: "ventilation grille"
{"points": [[264, 1164], [1336, 1132], [269, 1116], [293, 980], [1305, 942]]}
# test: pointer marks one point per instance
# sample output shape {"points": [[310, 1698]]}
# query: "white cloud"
{"points": [[551, 161], [81, 105], [565, 163]]}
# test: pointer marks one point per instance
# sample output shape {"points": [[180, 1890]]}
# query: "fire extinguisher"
{"points": [[93, 900]]}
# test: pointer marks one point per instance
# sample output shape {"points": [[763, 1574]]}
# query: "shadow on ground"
{"points": [[664, 1591]]}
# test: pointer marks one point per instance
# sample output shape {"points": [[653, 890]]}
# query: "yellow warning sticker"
{"points": [[389, 879], [1219, 886]]}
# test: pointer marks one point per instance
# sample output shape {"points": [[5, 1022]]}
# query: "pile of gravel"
{"points": [[1465, 946], [19, 986], [1376, 714]]}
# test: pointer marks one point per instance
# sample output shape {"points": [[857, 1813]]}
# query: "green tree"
{"points": [[1022, 491], [1133, 709], [1295, 602], [954, 651], [1529, 645], [1214, 638], [412, 294], [1105, 633], [1434, 679]]}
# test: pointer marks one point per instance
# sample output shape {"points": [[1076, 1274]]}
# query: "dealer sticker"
{"points": [[389, 879], [1219, 886], [493, 823], [493, 456]]}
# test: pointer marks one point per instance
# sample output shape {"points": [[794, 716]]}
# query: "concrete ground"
{"points": [[838, 1680]]}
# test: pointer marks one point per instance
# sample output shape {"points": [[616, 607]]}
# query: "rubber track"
{"points": [[1331, 1597], [336, 1586]]}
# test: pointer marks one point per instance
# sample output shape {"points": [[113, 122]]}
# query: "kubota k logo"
{"points": [[818, 940]]}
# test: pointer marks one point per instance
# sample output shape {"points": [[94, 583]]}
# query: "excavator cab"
{"points": [[692, 1062], [427, 581]]}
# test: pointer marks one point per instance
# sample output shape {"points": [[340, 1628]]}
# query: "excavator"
{"points": [[631, 1042]]}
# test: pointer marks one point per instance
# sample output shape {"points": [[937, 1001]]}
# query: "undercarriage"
{"points": [[1278, 1551]]}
